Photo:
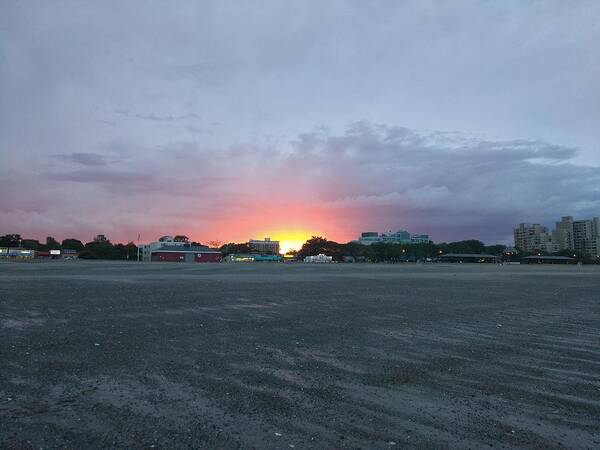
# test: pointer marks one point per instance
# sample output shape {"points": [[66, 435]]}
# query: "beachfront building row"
{"points": [[581, 236], [390, 237]]}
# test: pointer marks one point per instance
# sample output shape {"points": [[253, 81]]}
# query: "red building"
{"points": [[187, 253]]}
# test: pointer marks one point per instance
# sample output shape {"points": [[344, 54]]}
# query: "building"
{"points": [[548, 260], [265, 247], [69, 253], [586, 237], [17, 253], [581, 236], [533, 237], [320, 258], [369, 237], [185, 253], [563, 234], [252, 257], [49, 254], [398, 237], [389, 237], [420, 239], [167, 249], [469, 258], [240, 258], [147, 249]]}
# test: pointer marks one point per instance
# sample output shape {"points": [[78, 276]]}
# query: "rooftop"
{"points": [[467, 255], [186, 249], [559, 258]]}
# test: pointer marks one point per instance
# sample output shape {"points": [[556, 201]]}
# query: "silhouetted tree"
{"points": [[51, 244], [32, 244], [215, 243], [10, 240], [317, 244], [232, 248], [71, 243]]}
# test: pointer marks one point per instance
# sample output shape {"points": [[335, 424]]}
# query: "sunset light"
{"points": [[290, 240], [287, 245], [299, 224]]}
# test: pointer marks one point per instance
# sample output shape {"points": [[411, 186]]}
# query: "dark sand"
{"points": [[115, 355]]}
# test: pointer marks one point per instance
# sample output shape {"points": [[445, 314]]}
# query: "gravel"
{"points": [[167, 355]]}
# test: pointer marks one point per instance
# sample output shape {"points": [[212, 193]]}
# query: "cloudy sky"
{"points": [[231, 120]]}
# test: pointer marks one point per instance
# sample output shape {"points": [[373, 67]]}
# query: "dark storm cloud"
{"points": [[453, 186], [379, 177]]}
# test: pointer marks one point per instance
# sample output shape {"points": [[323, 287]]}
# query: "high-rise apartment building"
{"points": [[586, 237], [563, 234], [533, 237], [581, 236], [391, 237]]}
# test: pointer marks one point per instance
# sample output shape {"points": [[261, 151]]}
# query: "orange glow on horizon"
{"points": [[289, 239], [290, 224]]}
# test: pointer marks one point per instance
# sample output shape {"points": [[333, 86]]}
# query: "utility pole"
{"points": [[138, 248]]}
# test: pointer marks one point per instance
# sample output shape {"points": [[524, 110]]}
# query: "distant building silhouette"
{"points": [[389, 237]]}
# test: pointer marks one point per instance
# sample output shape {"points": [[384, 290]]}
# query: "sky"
{"points": [[232, 120]]}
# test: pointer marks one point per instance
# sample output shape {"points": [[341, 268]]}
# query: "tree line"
{"points": [[387, 252], [98, 248], [102, 248]]}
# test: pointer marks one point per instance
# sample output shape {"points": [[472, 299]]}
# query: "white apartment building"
{"points": [[563, 234], [533, 237], [266, 246], [147, 249], [582, 236], [391, 237]]}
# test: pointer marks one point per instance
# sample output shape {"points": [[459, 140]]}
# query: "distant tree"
{"points": [[99, 248], [131, 251], [52, 244], [386, 252], [215, 243], [317, 244], [494, 249], [71, 243], [10, 240], [468, 246], [232, 248], [32, 244], [87, 253]]}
